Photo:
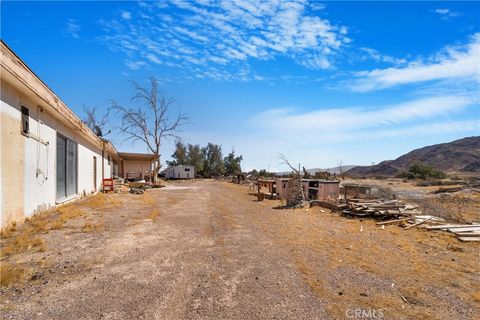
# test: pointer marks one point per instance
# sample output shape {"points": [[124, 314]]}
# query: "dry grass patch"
{"points": [[24, 241], [147, 199], [102, 201], [154, 214], [93, 227], [39, 222], [172, 201], [8, 230], [66, 214], [19, 239], [476, 296], [11, 273]]}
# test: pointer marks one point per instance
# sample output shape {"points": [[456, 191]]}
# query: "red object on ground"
{"points": [[107, 185]]}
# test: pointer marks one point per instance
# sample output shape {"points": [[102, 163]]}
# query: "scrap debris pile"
{"points": [[378, 208], [464, 232], [408, 215]]}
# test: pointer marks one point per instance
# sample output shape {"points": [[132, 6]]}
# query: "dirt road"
{"points": [[213, 252]]}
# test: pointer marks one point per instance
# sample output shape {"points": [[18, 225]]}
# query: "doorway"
{"points": [[94, 174], [66, 167]]}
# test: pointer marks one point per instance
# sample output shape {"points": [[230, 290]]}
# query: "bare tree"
{"points": [[93, 120], [295, 196], [150, 123], [285, 161], [340, 168]]}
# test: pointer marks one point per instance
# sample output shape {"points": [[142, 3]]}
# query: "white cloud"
{"points": [[433, 128], [317, 6], [458, 62], [442, 11], [127, 15], [377, 56], [228, 34], [135, 65], [320, 137], [73, 29], [352, 119], [446, 13], [153, 58], [348, 134]]}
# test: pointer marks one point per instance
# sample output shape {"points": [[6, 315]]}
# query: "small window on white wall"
{"points": [[108, 157], [25, 120]]}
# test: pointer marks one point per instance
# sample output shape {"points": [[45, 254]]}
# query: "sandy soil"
{"points": [[212, 251]]}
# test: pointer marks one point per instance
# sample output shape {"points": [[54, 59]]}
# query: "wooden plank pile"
{"points": [[464, 232], [407, 215], [378, 208]]}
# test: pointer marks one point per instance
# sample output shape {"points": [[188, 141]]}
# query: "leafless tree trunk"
{"points": [[340, 168], [93, 120], [150, 124], [285, 161], [295, 195]]}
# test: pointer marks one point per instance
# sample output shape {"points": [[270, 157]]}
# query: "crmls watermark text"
{"points": [[364, 313]]}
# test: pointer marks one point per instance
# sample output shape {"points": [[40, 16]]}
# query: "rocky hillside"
{"points": [[453, 157]]}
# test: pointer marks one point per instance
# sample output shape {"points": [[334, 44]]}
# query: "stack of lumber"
{"points": [[378, 208], [407, 215], [464, 232]]}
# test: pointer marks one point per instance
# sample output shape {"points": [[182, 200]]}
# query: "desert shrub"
{"points": [[419, 171], [436, 182]]}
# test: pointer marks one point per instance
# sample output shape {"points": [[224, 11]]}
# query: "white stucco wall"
{"points": [[137, 166], [28, 167], [178, 172]]}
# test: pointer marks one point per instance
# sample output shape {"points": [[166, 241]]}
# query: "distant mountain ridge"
{"points": [[461, 155]]}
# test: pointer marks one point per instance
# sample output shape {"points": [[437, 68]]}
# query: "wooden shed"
{"points": [[314, 189]]}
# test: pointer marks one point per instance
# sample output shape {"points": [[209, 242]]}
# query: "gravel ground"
{"points": [[213, 252]]}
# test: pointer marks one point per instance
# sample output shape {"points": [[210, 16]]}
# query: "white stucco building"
{"points": [[180, 172], [137, 166], [47, 154]]}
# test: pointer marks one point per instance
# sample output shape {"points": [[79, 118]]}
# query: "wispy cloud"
{"points": [[379, 57], [454, 62], [225, 35], [73, 28], [317, 5], [353, 119], [446, 13], [135, 65], [427, 129], [127, 15], [356, 135]]}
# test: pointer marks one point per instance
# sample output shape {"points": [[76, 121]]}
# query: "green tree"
{"points": [[254, 173], [264, 174], [213, 161], [180, 155], [420, 171], [196, 158], [232, 164]]}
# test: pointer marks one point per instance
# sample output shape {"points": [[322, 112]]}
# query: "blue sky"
{"points": [[321, 82]]}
